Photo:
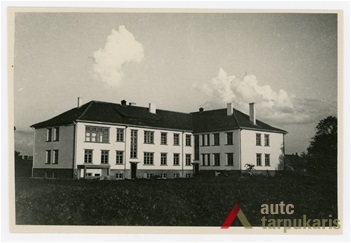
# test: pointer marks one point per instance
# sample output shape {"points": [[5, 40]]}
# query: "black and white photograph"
{"points": [[227, 121]]}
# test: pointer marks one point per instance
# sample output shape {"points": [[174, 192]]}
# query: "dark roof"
{"points": [[206, 121], [218, 120], [97, 111]]}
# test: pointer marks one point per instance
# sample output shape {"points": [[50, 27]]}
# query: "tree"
{"points": [[323, 150]]}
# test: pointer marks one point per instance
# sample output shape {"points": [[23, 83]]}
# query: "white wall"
{"points": [[249, 149], [156, 148]]}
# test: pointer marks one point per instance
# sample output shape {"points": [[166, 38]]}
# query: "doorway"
{"points": [[133, 167]]}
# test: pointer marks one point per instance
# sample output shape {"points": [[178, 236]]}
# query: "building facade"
{"points": [[117, 141]]}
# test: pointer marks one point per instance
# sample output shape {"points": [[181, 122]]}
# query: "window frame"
{"points": [[231, 157], [101, 134], [86, 151], [104, 156], [266, 140], [216, 139], [119, 155], [149, 137], [176, 158], [56, 134], [258, 159], [215, 157], [148, 158], [163, 159], [265, 160], [49, 134], [164, 138], [120, 135], [176, 139], [48, 157], [55, 156], [188, 140], [187, 159], [231, 140], [258, 139]]}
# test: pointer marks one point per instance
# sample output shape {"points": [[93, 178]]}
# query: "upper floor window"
{"points": [[266, 140], [229, 138], [188, 140], [56, 133], [55, 156], [48, 134], [163, 138], [258, 139], [148, 137], [205, 139], [148, 158], [216, 139], [216, 159], [88, 156], [104, 156], [48, 157], [176, 139], [259, 159], [163, 158], [120, 135], [97, 134]]}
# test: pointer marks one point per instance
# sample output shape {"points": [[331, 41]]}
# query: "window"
{"points": [[205, 139], [88, 156], [216, 139], [119, 176], [175, 159], [163, 158], [259, 159], [176, 139], [188, 140], [188, 159], [97, 174], [258, 139], [216, 159], [148, 158], [163, 138], [120, 135], [163, 175], [133, 144], [104, 156], [56, 133], [89, 174], [48, 157], [188, 175], [267, 160], [149, 175], [197, 147], [97, 134], [176, 175], [148, 137], [230, 159], [266, 140], [50, 175], [119, 157], [48, 134], [55, 156], [206, 159], [229, 138]]}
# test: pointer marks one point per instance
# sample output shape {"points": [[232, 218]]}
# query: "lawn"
{"points": [[199, 201]]}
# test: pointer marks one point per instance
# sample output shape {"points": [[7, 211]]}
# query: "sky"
{"points": [[285, 63]]}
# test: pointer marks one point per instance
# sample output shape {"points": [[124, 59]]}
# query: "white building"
{"points": [[117, 141]]}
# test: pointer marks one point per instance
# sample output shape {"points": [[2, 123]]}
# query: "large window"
{"points": [[133, 144], [216, 139], [175, 159], [97, 134], [119, 157], [104, 156], [148, 137], [229, 138], [55, 156], [163, 138], [48, 157], [88, 156], [176, 139], [188, 159], [48, 134], [148, 158], [120, 135], [56, 133], [266, 140], [258, 139], [216, 158], [163, 158], [188, 140], [259, 159], [267, 160], [230, 159]]}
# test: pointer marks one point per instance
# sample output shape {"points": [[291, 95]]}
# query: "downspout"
{"points": [[74, 151], [182, 154], [125, 153]]}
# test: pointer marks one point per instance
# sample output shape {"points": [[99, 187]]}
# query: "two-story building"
{"points": [[116, 141]]}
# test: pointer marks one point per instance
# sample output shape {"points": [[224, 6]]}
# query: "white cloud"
{"points": [[120, 48], [277, 107]]}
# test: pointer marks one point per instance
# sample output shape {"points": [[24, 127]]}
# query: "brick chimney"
{"points": [[123, 102], [230, 109], [252, 113], [152, 108]]}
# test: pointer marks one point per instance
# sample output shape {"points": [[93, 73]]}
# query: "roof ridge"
{"points": [[91, 102], [236, 119]]}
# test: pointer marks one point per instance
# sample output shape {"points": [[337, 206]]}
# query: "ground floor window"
{"points": [[187, 175], [267, 160], [230, 159], [216, 158], [119, 176], [163, 175], [50, 175], [259, 159], [188, 159], [149, 175], [176, 175]]}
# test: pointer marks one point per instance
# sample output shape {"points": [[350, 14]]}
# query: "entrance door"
{"points": [[133, 170], [196, 168]]}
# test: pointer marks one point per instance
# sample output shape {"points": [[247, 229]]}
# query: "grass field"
{"points": [[200, 201]]}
